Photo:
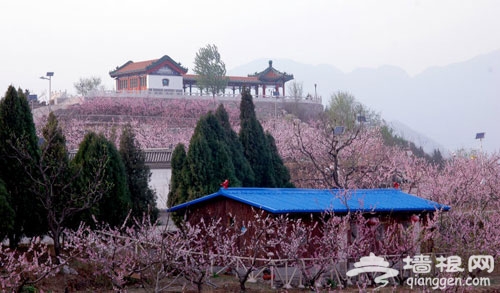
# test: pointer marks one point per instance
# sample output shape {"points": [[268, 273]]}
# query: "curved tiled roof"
{"points": [[270, 74], [143, 66], [154, 158], [158, 158]]}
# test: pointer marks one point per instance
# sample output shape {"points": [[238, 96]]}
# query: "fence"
{"points": [[283, 272], [198, 96]]}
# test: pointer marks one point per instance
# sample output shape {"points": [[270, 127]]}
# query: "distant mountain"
{"points": [[447, 104], [428, 144]]}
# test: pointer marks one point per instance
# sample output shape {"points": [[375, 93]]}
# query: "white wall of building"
{"points": [[160, 181], [156, 82]]}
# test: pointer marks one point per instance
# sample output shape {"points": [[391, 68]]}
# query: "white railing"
{"points": [[197, 95]]}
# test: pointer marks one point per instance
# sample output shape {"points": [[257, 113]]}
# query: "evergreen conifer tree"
{"points": [[254, 143], [260, 149], [208, 159], [115, 203], [243, 170], [138, 175], [281, 173], [179, 181], [7, 219], [17, 133]]}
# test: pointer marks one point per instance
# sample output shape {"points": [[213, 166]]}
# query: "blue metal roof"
{"points": [[298, 200]]}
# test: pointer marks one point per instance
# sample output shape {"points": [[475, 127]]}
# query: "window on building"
{"points": [[122, 84], [142, 82], [133, 83]]}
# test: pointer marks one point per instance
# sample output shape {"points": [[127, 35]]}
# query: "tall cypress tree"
{"points": [[138, 175], [280, 171], [7, 219], [208, 159], [94, 151], [179, 181], [254, 142], [243, 170], [260, 148], [17, 133]]}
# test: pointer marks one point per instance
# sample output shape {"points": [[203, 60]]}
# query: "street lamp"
{"points": [[361, 119], [480, 136], [338, 130], [49, 78]]}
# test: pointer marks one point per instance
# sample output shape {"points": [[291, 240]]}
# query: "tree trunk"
{"points": [[57, 244], [243, 279], [56, 236]]}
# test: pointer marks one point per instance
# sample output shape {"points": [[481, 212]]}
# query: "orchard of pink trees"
{"points": [[158, 123], [469, 182], [149, 256]]}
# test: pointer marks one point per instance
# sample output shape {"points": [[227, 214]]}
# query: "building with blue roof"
{"points": [[297, 202]]}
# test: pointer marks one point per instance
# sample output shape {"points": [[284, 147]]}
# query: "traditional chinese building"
{"points": [[162, 75], [166, 76]]}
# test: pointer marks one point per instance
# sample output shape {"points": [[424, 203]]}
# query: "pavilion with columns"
{"points": [[166, 76]]}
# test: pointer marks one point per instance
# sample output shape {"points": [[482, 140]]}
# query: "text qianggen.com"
{"points": [[443, 283]]}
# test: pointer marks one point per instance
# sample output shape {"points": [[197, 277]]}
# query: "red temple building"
{"points": [[166, 76]]}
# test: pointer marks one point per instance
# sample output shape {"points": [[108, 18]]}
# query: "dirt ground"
{"points": [[85, 282]]}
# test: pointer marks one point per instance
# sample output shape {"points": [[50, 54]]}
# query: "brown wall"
{"points": [[234, 212], [231, 211], [223, 208]]}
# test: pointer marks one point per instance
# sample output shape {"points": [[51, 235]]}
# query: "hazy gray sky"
{"points": [[89, 38]]}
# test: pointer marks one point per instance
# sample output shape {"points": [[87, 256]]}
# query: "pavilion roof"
{"points": [[270, 74]]}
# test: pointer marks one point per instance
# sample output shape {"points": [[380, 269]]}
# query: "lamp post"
{"points": [[49, 78], [272, 93], [337, 131], [480, 136]]}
